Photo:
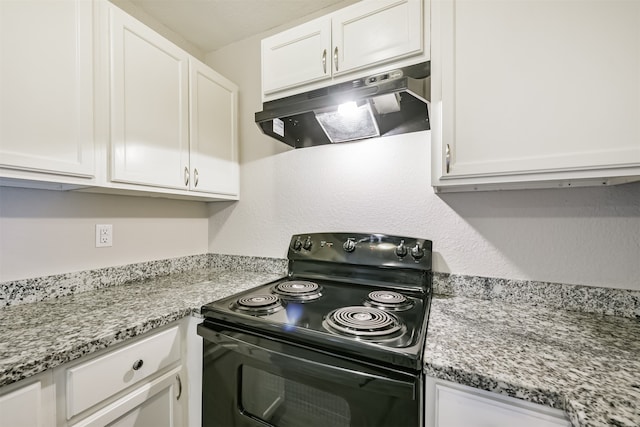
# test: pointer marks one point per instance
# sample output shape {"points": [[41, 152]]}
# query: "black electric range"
{"points": [[365, 296]]}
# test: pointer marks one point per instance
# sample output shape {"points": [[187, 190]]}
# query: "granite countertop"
{"points": [[39, 336], [586, 364]]}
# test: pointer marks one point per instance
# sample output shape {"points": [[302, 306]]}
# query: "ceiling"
{"points": [[211, 24]]}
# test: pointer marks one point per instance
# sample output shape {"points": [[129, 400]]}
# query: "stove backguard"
{"points": [[400, 262]]}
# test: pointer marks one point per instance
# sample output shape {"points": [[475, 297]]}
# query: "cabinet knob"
{"points": [[335, 57], [195, 177], [138, 364], [186, 176]]}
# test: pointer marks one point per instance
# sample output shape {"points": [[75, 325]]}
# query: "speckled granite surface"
{"points": [[51, 287], [588, 299], [618, 302], [45, 288], [248, 263], [510, 338], [584, 363], [39, 336]]}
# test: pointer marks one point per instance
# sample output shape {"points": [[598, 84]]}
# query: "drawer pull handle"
{"points": [[179, 386], [447, 159], [137, 364], [324, 61]]}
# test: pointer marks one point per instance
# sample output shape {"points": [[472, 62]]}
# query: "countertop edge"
{"points": [[35, 366], [546, 397]]}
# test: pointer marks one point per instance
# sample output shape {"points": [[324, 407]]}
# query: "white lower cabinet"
{"points": [[153, 404], [154, 380], [149, 381], [139, 382], [453, 405], [119, 369], [28, 403]]}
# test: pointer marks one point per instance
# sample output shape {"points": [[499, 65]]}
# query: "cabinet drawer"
{"points": [[98, 379]]}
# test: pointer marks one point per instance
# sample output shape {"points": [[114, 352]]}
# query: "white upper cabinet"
{"points": [[213, 131], [149, 106], [297, 56], [46, 87], [532, 94], [174, 121], [374, 32], [345, 44], [94, 100]]}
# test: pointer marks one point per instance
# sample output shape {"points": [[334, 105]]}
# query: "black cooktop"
{"points": [[396, 336], [367, 302]]}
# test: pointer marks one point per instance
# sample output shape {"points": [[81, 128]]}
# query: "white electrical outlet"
{"points": [[104, 235]]}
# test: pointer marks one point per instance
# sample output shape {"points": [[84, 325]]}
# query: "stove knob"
{"points": [[401, 249], [307, 244], [297, 245], [349, 245], [417, 252]]}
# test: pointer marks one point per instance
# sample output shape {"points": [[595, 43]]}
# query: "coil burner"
{"points": [[298, 290], [388, 300], [364, 322], [258, 304]]}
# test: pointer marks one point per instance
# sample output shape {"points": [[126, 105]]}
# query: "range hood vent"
{"points": [[389, 103]]}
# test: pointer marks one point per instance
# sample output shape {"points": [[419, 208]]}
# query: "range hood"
{"points": [[388, 103]]}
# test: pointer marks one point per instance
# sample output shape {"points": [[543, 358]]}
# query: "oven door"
{"points": [[252, 380]]}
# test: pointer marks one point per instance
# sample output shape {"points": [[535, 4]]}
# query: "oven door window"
{"points": [[286, 403]]}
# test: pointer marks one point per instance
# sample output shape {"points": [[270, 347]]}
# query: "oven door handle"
{"points": [[299, 360]]}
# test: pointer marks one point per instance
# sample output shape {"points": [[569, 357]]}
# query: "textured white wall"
{"points": [[51, 232], [579, 236]]}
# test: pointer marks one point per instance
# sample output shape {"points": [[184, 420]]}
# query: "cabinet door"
{"points": [[46, 86], [374, 32], [458, 408], [297, 56], [28, 403], [156, 404], [531, 87], [213, 131], [21, 407], [149, 106]]}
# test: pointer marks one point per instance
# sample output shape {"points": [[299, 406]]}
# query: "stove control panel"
{"points": [[380, 250]]}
